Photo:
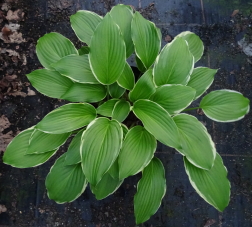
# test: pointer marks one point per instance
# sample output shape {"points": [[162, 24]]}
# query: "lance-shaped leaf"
{"points": [[121, 110], [197, 144], [106, 108], [144, 87], [65, 183], [137, 151], [73, 151], [212, 185], [174, 64], [140, 65], [67, 118], [84, 24], [122, 15], [52, 47], [173, 97], [201, 79], [150, 191], [158, 122], [108, 184], [225, 105], [127, 78], [101, 143], [41, 142], [145, 38], [85, 93], [15, 153], [195, 44], [83, 50], [49, 83], [115, 91], [107, 54], [76, 68]]}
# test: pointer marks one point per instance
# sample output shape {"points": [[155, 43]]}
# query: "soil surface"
{"points": [[227, 35]]}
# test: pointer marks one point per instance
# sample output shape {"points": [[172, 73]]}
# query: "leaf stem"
{"points": [[194, 108]]}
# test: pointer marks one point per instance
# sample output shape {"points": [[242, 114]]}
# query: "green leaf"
{"points": [[125, 130], [146, 39], [158, 122], [140, 65], [195, 44], [144, 87], [84, 24], [122, 15], [115, 91], [106, 108], [106, 186], [201, 79], [150, 191], [41, 142], [127, 78], [107, 54], [52, 47], [174, 64], [83, 50], [225, 105], [67, 118], [49, 83], [73, 151], [65, 183], [197, 144], [212, 185], [137, 151], [173, 97], [101, 143], [121, 110], [15, 153], [85, 93], [76, 68]]}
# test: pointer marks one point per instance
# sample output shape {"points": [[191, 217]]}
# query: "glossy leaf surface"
{"points": [[76, 68], [145, 38], [173, 98], [101, 143], [201, 79], [225, 105], [137, 151], [107, 54], [158, 122], [212, 185], [52, 47], [67, 118], [44, 80], [197, 144], [150, 191], [84, 24], [65, 183], [174, 64], [15, 153]]}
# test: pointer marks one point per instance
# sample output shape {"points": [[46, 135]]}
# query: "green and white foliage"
{"points": [[116, 117]]}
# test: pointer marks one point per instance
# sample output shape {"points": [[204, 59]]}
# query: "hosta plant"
{"points": [[117, 116]]}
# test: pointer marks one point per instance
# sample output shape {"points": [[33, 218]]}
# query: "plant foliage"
{"points": [[107, 143]]}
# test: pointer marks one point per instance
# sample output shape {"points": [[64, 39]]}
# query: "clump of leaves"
{"points": [[107, 145]]}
